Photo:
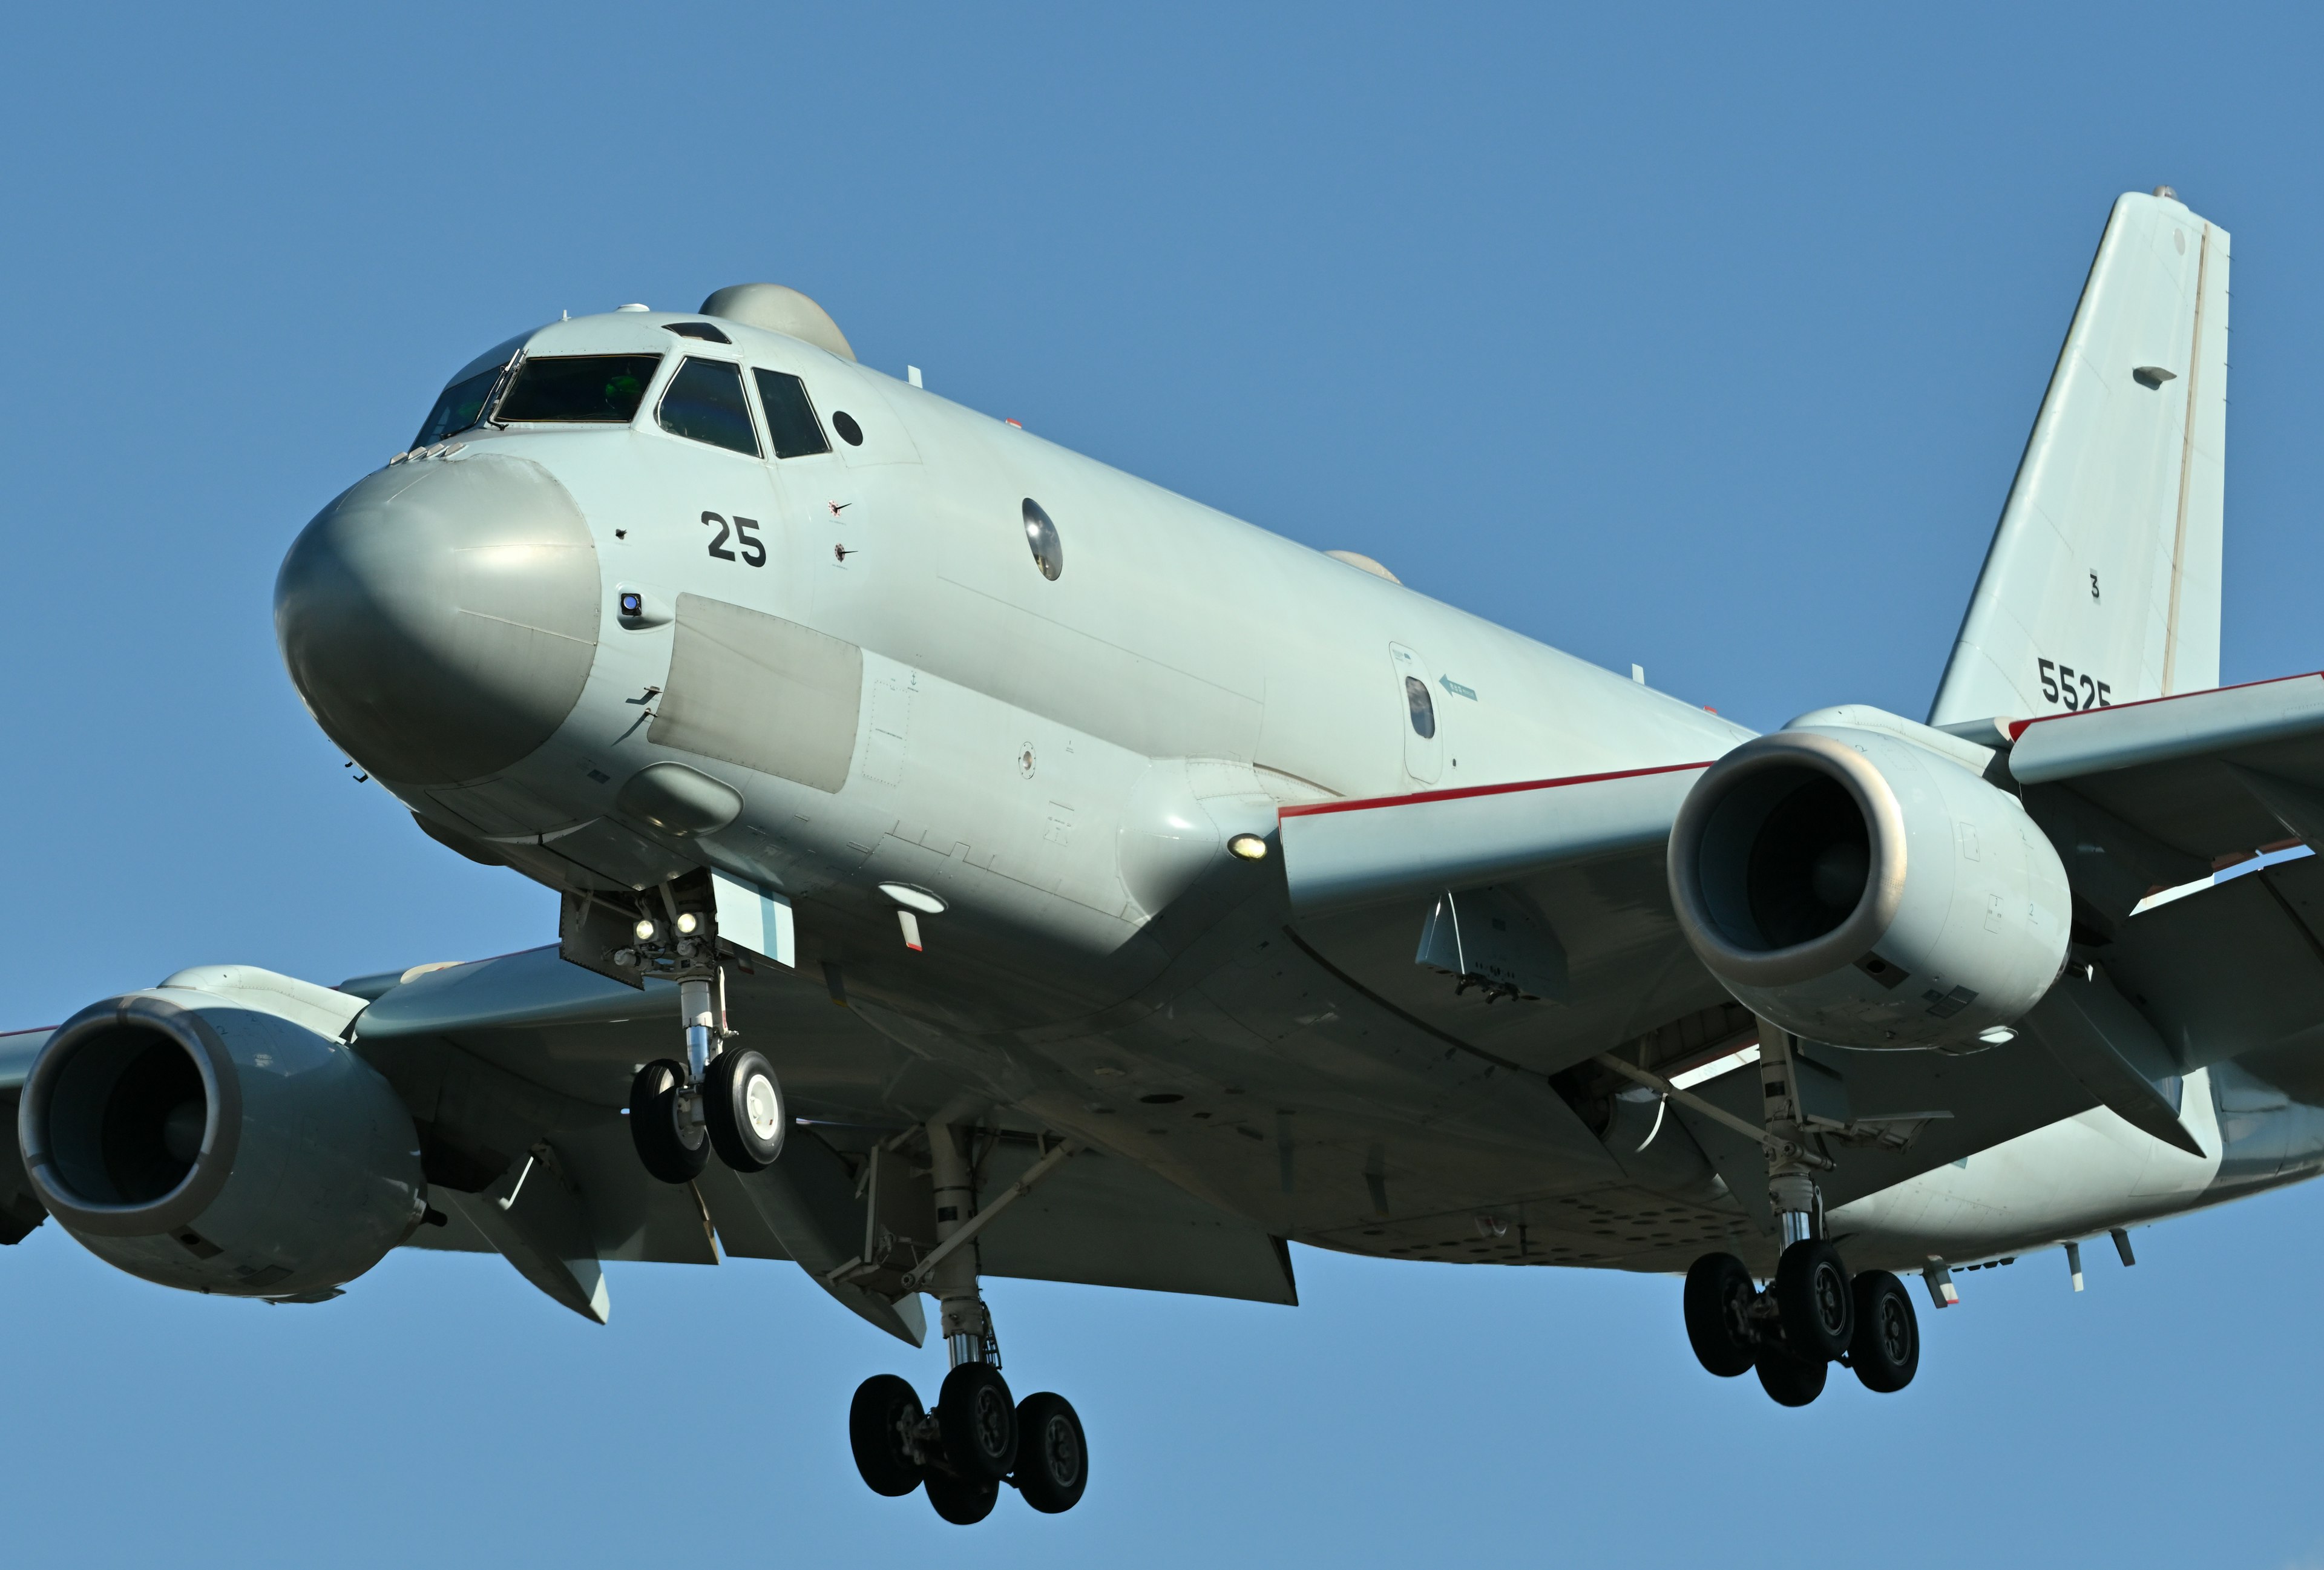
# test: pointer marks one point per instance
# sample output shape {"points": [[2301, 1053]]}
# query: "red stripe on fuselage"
{"points": [[1311, 809]]}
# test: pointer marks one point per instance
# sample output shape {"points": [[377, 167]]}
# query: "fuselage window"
{"points": [[704, 403], [791, 424], [1422, 707], [849, 431], [461, 405], [578, 389], [1048, 550]]}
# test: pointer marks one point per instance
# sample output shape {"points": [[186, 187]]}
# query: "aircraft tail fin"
{"points": [[2102, 583]]}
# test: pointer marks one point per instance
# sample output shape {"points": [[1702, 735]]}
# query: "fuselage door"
{"points": [[1424, 746]]}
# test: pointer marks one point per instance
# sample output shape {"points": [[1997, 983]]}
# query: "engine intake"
{"points": [[1862, 889], [204, 1144]]}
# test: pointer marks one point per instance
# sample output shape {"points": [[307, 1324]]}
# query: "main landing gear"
{"points": [[977, 1438], [1813, 1314]]}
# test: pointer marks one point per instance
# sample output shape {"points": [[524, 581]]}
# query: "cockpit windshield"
{"points": [[589, 389], [461, 405]]}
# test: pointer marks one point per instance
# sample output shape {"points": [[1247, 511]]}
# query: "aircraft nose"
{"points": [[440, 617]]}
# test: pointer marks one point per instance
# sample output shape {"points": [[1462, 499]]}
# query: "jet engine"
{"points": [[196, 1139], [1858, 887]]}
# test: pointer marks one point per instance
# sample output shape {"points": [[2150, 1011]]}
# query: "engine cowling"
{"points": [[201, 1142], [1862, 889]]}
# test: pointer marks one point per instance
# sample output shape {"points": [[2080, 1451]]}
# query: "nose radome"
{"points": [[440, 618]]}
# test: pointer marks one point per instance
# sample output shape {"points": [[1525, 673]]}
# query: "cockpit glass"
{"points": [[461, 405], [704, 403], [577, 388]]}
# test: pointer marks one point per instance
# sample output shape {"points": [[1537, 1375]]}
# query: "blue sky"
{"points": [[1697, 338]]}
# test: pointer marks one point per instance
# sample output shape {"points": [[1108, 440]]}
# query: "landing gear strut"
{"points": [[978, 1438], [1811, 1314]]}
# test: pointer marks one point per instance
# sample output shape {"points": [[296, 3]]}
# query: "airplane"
{"points": [[976, 862]]}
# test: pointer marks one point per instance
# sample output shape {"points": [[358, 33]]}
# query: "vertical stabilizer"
{"points": [[2102, 583]]}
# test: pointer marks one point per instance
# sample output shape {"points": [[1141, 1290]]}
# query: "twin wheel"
{"points": [[737, 1110], [1811, 1316], [976, 1440]]}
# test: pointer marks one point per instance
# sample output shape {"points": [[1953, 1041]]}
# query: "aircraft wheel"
{"points": [[1052, 1457], [879, 1424], [1811, 1294], [978, 1421], [672, 1148], [1718, 1300], [1789, 1380], [962, 1500], [1886, 1352], [742, 1104]]}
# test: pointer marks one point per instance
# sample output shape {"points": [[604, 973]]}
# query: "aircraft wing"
{"points": [[2210, 776], [517, 1070], [1563, 945], [2186, 824]]}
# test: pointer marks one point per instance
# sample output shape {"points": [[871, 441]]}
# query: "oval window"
{"points": [[1422, 707], [1048, 555], [849, 431]]}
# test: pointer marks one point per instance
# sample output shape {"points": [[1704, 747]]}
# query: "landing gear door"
{"points": [[1424, 746]]}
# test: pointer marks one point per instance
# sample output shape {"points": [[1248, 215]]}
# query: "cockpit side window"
{"points": [[791, 424], [577, 388], [461, 405], [704, 402]]}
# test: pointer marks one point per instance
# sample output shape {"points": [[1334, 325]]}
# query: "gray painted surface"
{"points": [[898, 694]]}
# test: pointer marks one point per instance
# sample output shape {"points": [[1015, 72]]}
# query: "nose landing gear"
{"points": [[720, 1098]]}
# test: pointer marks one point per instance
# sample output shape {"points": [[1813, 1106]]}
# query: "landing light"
{"points": [[688, 923], [645, 931], [1999, 1036], [1249, 846]]}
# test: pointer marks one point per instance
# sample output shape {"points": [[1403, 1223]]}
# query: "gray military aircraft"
{"points": [[977, 862]]}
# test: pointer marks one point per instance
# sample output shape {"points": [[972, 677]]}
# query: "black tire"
{"points": [[661, 1137], [962, 1500], [978, 1421], [1718, 1300], [1787, 1379], [1052, 1455], [743, 1103], [1812, 1296], [1886, 1352], [880, 1422]]}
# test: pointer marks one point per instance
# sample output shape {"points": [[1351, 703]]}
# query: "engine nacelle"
{"points": [[197, 1141], [1862, 889]]}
